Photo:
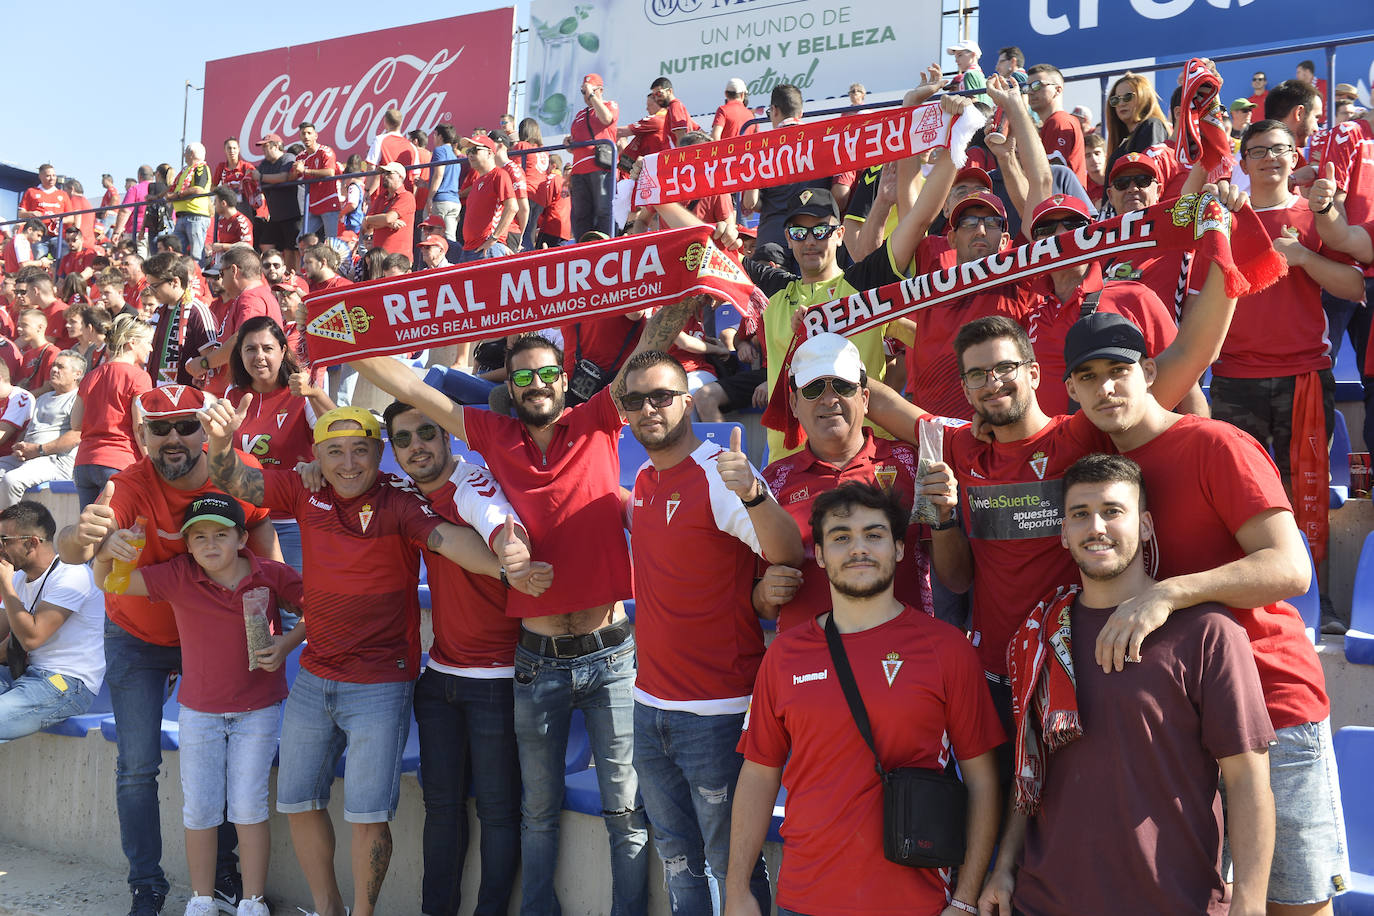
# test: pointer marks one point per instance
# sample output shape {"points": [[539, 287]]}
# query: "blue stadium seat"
{"points": [[1309, 602], [632, 458], [581, 792], [1359, 639], [63, 486], [1347, 373], [775, 823], [719, 433], [77, 726], [1340, 462], [1355, 761]]}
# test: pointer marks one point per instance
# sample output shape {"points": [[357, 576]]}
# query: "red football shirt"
{"points": [[587, 126], [925, 697], [398, 240], [569, 497], [483, 206], [39, 200], [1205, 480], [1350, 148], [107, 424], [392, 147], [556, 220], [536, 166], [140, 490], [73, 262], [932, 367], [10, 354], [606, 341], [799, 478], [1062, 136], [1012, 498], [36, 365], [473, 637], [699, 640], [233, 229], [214, 643], [731, 118], [522, 192], [362, 565], [1252, 349], [16, 408], [324, 195]]}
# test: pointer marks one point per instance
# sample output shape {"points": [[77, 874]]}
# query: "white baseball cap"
{"points": [[826, 356], [736, 85], [967, 44]]}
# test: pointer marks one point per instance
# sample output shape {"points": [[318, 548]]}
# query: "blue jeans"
{"points": [[89, 480], [36, 700], [687, 767], [324, 225], [590, 196], [467, 729], [191, 230], [497, 250], [1342, 317], [137, 673], [547, 690]]}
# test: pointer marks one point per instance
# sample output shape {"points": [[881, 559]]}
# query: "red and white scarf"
{"points": [[520, 294], [1201, 137], [1040, 663], [801, 152]]}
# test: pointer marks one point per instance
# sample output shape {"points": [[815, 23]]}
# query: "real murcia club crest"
{"points": [[891, 665], [887, 476], [673, 502], [1039, 462], [365, 516], [339, 322]]}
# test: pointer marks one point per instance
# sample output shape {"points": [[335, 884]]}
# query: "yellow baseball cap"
{"points": [[371, 429]]}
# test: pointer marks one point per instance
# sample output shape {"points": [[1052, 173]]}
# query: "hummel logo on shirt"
{"points": [[813, 676], [321, 505]]}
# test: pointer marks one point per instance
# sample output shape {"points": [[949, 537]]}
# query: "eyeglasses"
{"points": [[1278, 150], [977, 378], [273, 265], [990, 223], [6, 538], [1257, 79], [820, 232], [1118, 99], [524, 378], [1048, 228], [402, 438], [183, 427], [814, 389], [633, 401], [1140, 181], [1037, 85]]}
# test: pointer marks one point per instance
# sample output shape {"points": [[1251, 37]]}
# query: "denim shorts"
{"points": [[1311, 862], [323, 719], [226, 758]]}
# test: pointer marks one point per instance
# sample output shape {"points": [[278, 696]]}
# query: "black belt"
{"points": [[576, 646]]}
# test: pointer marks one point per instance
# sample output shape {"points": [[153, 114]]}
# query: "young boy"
{"points": [[230, 715]]}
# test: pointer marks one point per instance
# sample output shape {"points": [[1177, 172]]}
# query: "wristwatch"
{"points": [[751, 503], [945, 526]]}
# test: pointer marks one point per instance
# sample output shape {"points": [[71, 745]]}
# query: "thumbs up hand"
{"points": [[1322, 193], [513, 550], [98, 519], [735, 472]]}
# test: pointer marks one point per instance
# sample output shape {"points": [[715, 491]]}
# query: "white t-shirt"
{"points": [[77, 649]]}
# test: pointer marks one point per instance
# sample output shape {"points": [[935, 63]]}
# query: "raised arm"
{"points": [[401, 383], [1029, 151], [779, 538], [226, 468], [466, 548], [1335, 232]]}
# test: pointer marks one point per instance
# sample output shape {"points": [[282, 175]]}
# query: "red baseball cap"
{"points": [[434, 241], [594, 79], [747, 230], [270, 138], [1134, 161], [1059, 206], [975, 173], [478, 139], [348, 235], [434, 220], [172, 401], [977, 198]]}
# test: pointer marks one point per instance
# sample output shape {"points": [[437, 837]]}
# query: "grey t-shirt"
{"points": [[282, 203], [52, 416]]}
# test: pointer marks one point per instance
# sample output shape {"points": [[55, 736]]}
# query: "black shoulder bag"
{"points": [[587, 377], [925, 812], [16, 656]]}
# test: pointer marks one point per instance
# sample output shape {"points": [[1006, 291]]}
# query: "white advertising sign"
{"points": [[820, 47]]}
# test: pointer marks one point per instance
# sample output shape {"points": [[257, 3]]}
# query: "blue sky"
{"points": [[102, 90]]}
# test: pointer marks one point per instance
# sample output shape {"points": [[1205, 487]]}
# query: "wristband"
{"points": [[961, 905], [945, 526], [1329, 204], [757, 500]]}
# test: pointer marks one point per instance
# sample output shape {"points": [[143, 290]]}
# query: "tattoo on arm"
{"points": [[436, 539], [236, 478]]}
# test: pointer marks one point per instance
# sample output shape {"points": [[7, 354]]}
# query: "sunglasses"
{"points": [[633, 401], [1118, 99], [165, 427], [402, 438], [6, 538], [814, 389], [1140, 181], [1037, 85], [1264, 152], [524, 378], [1055, 226], [820, 232]]}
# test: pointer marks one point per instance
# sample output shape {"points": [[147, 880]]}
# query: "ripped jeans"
{"points": [[688, 766]]}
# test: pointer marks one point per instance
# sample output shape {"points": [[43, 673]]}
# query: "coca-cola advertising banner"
{"points": [[455, 71]]}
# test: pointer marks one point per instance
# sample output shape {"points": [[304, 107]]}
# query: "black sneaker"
{"points": [[228, 891], [1331, 623], [147, 902]]}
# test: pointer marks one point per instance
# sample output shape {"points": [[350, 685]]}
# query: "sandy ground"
{"points": [[36, 883]]}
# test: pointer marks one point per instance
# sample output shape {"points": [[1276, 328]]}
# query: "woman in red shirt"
{"points": [[536, 166], [281, 415], [103, 411]]}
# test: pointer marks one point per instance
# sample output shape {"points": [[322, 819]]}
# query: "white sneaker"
{"points": [[253, 906], [201, 906]]}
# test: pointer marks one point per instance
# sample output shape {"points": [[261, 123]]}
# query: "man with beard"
{"points": [[361, 537], [919, 683], [463, 700], [1102, 837], [560, 469], [141, 642], [699, 640]]}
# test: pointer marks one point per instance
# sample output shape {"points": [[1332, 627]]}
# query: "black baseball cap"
{"points": [[813, 202], [772, 253], [214, 507], [1102, 335], [501, 137]]}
